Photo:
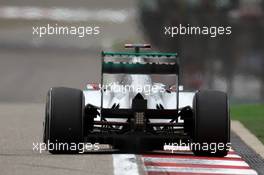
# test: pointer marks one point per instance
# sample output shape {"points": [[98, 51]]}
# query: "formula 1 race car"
{"points": [[139, 106]]}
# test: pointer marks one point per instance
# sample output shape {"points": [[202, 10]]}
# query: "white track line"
{"points": [[65, 14], [233, 156], [125, 164], [250, 139]]}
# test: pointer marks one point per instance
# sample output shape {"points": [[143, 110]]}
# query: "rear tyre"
{"points": [[211, 124], [64, 119]]}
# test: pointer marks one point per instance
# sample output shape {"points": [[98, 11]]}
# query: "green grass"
{"points": [[252, 117]]}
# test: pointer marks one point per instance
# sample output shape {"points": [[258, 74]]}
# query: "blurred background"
{"points": [[30, 65]]}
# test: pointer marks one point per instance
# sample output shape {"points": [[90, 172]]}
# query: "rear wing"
{"points": [[138, 62], [149, 63]]}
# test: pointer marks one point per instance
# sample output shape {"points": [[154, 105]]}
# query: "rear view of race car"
{"points": [[139, 106]]}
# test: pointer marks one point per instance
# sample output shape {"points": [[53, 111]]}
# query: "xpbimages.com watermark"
{"points": [[40, 147], [185, 30], [208, 147], [119, 88], [78, 31]]}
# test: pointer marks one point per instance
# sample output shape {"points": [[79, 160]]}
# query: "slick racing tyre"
{"points": [[64, 119], [211, 124]]}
